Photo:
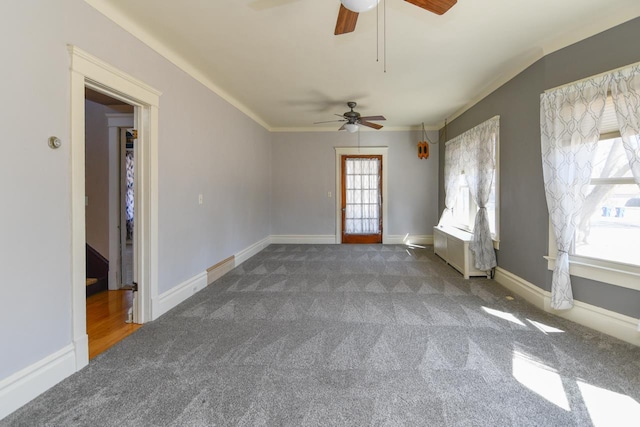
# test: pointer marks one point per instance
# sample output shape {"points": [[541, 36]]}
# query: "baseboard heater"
{"points": [[220, 269], [452, 245]]}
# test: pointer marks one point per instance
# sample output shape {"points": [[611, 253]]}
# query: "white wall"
{"points": [[304, 171], [97, 177], [205, 146]]}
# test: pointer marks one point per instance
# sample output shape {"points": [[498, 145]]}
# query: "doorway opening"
{"points": [[109, 220], [361, 180]]}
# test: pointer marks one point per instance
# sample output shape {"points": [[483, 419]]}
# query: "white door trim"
{"points": [[89, 71], [115, 121], [380, 151]]}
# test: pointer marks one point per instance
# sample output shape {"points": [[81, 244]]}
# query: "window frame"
{"points": [[606, 271], [496, 178], [611, 272]]}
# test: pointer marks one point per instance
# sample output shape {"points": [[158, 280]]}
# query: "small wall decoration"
{"points": [[423, 150]]}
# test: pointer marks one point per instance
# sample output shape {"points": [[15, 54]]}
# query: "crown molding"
{"points": [[590, 28], [365, 129], [127, 24]]}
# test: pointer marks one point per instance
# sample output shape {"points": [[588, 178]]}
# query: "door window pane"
{"points": [[362, 210]]}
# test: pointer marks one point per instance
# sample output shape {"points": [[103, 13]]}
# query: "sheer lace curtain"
{"points": [[479, 154], [570, 120], [625, 90], [474, 153], [452, 170]]}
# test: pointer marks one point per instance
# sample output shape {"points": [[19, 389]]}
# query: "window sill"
{"points": [[457, 230], [613, 273]]}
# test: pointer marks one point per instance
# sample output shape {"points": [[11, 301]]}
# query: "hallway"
{"points": [[106, 316]]}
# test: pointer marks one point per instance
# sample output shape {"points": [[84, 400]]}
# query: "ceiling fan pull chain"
{"points": [[378, 32], [384, 36]]}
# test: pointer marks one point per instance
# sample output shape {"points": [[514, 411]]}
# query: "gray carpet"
{"points": [[306, 335]]}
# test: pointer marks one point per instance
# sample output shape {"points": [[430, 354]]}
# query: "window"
{"points": [[609, 228], [464, 211], [605, 247], [471, 174]]}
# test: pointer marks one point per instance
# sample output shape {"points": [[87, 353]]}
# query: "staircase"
{"points": [[97, 272]]}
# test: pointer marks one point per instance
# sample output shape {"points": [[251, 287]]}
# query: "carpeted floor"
{"points": [[303, 335]]}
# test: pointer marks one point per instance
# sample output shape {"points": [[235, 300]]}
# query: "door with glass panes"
{"points": [[361, 199]]}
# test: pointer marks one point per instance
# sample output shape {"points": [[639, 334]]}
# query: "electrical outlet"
{"points": [[329, 194], [200, 199]]}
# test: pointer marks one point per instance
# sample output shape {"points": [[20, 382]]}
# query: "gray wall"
{"points": [[304, 170], [523, 211], [205, 146]]}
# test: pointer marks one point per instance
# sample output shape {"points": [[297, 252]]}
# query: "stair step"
{"points": [[91, 281]]}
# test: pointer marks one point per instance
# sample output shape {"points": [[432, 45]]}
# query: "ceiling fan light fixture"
{"points": [[351, 127], [359, 6]]}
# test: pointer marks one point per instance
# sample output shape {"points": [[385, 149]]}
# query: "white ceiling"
{"points": [[279, 62]]}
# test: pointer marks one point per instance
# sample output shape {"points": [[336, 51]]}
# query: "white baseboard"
{"points": [[319, 239], [602, 320], [184, 290], [523, 288], [176, 295], [247, 253], [408, 239], [26, 384], [330, 239]]}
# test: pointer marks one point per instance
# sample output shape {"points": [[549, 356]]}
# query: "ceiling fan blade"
{"points": [[346, 21], [438, 7], [367, 118], [371, 125], [343, 127], [329, 121]]}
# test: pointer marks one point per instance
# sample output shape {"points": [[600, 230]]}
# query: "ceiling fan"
{"points": [[354, 119], [349, 10]]}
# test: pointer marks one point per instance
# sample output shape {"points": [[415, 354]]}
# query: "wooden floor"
{"points": [[106, 316]]}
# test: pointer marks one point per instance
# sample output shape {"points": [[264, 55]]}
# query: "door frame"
{"points": [[354, 151], [122, 223], [370, 238], [115, 122], [89, 71]]}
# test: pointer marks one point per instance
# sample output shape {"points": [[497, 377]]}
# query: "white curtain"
{"points": [[570, 120], [625, 90], [452, 170], [473, 152], [479, 163]]}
